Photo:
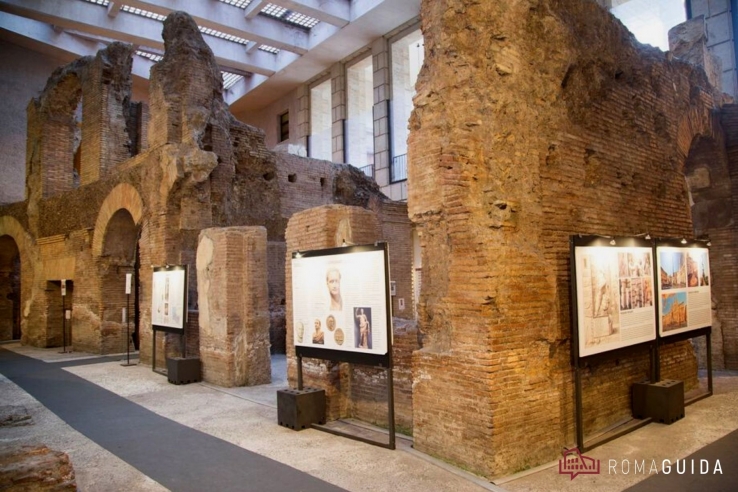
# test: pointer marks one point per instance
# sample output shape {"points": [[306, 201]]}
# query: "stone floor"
{"points": [[246, 417]]}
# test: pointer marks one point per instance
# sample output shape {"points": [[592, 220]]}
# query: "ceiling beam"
{"points": [[243, 87], [254, 8], [231, 20], [335, 12], [114, 8], [84, 16], [71, 45]]}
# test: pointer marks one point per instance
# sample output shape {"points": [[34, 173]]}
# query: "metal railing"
{"points": [[398, 171], [368, 170]]}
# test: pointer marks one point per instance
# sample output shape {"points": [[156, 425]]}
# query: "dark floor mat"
{"points": [[178, 457]]}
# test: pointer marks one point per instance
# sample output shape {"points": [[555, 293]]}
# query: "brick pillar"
{"points": [[234, 306], [106, 94], [186, 89], [318, 228], [338, 111]]}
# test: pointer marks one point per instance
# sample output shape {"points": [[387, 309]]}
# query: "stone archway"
{"points": [[9, 289], [115, 251], [123, 196], [708, 179], [16, 276], [707, 173]]}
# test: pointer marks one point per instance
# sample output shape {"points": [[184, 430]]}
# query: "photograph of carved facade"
{"points": [[522, 123], [674, 313]]}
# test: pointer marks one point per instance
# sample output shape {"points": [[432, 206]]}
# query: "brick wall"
{"points": [[396, 230], [276, 252], [193, 167], [513, 148], [723, 265]]}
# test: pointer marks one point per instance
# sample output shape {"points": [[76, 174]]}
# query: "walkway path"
{"points": [[176, 456]]}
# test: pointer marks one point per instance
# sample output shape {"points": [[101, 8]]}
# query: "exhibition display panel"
{"points": [[635, 294], [615, 294], [685, 300], [342, 312], [169, 297], [169, 310]]}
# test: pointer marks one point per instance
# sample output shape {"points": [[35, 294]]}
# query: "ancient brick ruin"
{"points": [[533, 121], [116, 187]]}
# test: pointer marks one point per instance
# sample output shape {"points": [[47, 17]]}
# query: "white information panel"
{"points": [[340, 301], [168, 297], [685, 300], [615, 297]]}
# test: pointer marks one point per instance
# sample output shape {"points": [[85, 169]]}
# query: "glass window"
{"points": [[284, 126], [320, 121], [407, 58], [360, 124]]}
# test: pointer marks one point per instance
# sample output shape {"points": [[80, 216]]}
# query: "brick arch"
{"points": [[123, 196], [9, 226], [698, 120]]}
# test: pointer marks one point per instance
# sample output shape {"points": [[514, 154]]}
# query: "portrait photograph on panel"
{"points": [[340, 300]]}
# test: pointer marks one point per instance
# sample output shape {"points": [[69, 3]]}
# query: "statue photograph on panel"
{"points": [[363, 331]]}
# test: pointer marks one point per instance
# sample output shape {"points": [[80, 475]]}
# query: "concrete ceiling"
{"points": [[262, 43]]}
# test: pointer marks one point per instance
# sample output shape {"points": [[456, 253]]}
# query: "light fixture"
{"points": [[709, 243], [612, 242], [648, 237], [684, 241]]}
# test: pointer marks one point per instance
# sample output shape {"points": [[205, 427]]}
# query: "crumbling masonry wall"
{"points": [[516, 144], [723, 232], [116, 187]]}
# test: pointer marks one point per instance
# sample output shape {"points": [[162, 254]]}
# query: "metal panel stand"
{"points": [[390, 408]]}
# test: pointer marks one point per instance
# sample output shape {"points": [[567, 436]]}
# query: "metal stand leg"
{"points": [[299, 373], [578, 397], [708, 337], [128, 332]]}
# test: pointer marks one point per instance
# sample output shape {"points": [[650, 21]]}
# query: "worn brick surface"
{"points": [[516, 144], [234, 306], [114, 184]]}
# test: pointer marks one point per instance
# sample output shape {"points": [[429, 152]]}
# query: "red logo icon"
{"points": [[574, 463]]}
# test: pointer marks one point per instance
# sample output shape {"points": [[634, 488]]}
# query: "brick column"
{"points": [[234, 306]]}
